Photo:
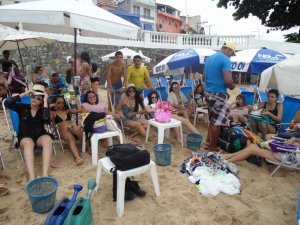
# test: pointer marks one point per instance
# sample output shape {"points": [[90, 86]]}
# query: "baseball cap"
{"points": [[230, 45]]}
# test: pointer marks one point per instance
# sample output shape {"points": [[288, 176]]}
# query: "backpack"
{"points": [[231, 141], [163, 111], [125, 157]]}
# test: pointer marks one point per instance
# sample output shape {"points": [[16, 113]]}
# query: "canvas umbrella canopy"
{"points": [[255, 61], [65, 17], [175, 63], [285, 76], [128, 54], [18, 40]]}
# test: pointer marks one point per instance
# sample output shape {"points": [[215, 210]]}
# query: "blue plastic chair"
{"points": [[146, 92], [154, 81], [162, 92], [186, 91], [249, 97], [263, 96], [163, 82], [243, 89], [190, 83], [290, 107]]}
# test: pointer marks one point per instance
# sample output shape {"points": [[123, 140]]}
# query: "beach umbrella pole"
{"points": [[20, 56]]}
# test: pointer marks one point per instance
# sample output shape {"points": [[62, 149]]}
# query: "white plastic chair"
{"points": [[106, 164], [94, 142], [203, 111], [161, 127]]}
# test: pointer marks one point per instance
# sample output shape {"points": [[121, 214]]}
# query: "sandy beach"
{"points": [[263, 199]]}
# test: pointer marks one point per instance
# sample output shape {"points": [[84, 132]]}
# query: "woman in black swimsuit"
{"points": [[68, 132], [32, 118], [272, 113]]}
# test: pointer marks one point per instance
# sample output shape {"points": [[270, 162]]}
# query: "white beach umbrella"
{"points": [[62, 16], [65, 17], [285, 76], [18, 40], [128, 54]]}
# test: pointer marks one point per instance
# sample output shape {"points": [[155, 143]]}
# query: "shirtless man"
{"points": [[6, 61], [115, 71]]}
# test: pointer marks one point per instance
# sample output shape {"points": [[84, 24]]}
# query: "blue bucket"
{"points": [[163, 153], [42, 193], [194, 141]]}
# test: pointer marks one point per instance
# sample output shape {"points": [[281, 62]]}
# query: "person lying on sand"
{"points": [[254, 150]]}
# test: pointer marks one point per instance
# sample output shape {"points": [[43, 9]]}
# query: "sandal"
{"points": [[79, 161], [206, 145]]}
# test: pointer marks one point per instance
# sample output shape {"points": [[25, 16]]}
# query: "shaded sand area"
{"points": [[263, 199]]}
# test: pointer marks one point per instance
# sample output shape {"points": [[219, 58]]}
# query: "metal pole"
{"points": [[75, 50], [20, 55]]}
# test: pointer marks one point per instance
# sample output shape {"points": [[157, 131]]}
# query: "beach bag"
{"points": [[163, 111], [278, 146], [110, 124], [99, 126], [230, 141]]}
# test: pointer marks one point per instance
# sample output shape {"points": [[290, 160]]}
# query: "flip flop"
{"points": [[206, 145]]}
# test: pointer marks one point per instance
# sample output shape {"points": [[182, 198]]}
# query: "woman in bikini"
{"points": [[128, 109], [272, 111], [62, 117]]}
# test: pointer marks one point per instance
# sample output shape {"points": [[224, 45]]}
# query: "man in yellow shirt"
{"points": [[137, 75]]}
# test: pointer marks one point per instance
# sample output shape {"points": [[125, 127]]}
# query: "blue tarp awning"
{"points": [[148, 26], [130, 17]]}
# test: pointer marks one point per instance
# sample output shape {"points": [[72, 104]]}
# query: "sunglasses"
{"points": [[37, 97], [131, 91], [91, 97]]}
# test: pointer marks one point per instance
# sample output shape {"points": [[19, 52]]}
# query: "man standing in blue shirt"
{"points": [[218, 77]]}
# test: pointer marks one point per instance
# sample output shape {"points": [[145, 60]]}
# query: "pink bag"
{"points": [[163, 111]]}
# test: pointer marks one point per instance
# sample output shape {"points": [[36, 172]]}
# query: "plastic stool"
{"points": [[106, 164], [161, 129], [94, 142], [201, 110]]}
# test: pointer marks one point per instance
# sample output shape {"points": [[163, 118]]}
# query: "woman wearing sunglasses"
{"points": [[178, 100], [32, 118], [128, 108], [153, 98], [91, 103], [68, 132]]}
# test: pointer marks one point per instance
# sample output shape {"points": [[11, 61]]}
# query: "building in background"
{"points": [[145, 8], [194, 22], [106, 4], [167, 18]]}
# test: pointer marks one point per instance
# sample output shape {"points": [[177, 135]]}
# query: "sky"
{"points": [[222, 20]]}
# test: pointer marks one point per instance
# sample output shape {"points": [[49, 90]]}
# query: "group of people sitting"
{"points": [[127, 105]]}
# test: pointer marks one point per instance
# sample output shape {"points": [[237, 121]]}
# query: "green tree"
{"points": [[276, 14]]}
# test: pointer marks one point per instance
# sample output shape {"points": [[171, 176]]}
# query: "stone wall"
{"points": [[52, 56]]}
